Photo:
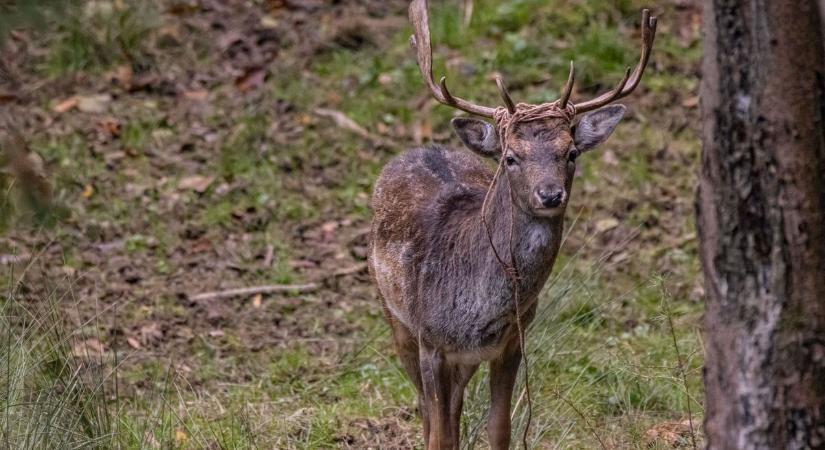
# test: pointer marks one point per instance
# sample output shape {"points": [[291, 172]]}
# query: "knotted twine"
{"points": [[505, 125]]}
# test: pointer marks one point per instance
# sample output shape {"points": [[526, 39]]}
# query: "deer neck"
{"points": [[535, 240]]}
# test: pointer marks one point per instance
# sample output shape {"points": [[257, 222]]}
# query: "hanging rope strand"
{"points": [[505, 124]]}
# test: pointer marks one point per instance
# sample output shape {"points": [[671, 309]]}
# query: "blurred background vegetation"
{"points": [[153, 151]]}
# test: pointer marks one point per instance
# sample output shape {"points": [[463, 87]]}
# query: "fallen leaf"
{"points": [[134, 343], [305, 119], [671, 433], [197, 183], [111, 126], [606, 224], [385, 79], [93, 104], [150, 333], [65, 105], [180, 436], [691, 102], [256, 301], [252, 78], [269, 22], [197, 95], [200, 246], [6, 97], [88, 191], [217, 333], [143, 81], [88, 349], [328, 231], [122, 75]]}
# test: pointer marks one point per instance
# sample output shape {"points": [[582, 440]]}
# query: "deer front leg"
{"points": [[503, 373], [436, 379], [406, 345]]}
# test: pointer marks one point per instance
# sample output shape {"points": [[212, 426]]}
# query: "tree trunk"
{"points": [[761, 221]]}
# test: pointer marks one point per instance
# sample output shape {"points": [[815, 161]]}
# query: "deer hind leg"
{"points": [[503, 373], [462, 375]]}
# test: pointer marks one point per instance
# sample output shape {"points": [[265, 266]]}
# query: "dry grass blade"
{"points": [[680, 362]]}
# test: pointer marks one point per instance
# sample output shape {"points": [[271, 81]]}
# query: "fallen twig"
{"points": [[252, 290], [14, 259], [343, 121], [277, 288], [358, 268]]}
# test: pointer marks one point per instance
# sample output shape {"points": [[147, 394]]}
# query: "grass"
{"points": [[100, 35], [614, 350]]}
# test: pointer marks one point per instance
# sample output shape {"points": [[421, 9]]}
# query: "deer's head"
{"points": [[536, 145]]}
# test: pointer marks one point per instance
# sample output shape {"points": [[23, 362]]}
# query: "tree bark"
{"points": [[761, 221]]}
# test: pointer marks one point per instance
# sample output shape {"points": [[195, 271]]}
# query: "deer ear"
{"points": [[477, 135], [595, 127]]}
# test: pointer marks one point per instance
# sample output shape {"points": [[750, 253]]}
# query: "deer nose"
{"points": [[550, 197]]}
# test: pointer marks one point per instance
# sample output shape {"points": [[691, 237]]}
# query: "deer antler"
{"points": [[420, 41], [630, 81]]}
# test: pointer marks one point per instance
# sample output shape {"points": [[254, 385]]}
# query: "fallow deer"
{"points": [[460, 253]]}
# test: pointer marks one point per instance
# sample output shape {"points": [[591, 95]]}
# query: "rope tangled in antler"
{"points": [[505, 125]]}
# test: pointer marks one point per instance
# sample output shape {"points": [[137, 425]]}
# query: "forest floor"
{"points": [[196, 146]]}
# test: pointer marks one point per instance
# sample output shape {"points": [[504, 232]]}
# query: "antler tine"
{"points": [[420, 41], [630, 81], [502, 89], [568, 88]]}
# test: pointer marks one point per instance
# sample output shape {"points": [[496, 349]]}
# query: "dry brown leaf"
{"points": [[252, 78], [691, 102], [197, 183], [65, 105], [122, 75], [197, 95], [90, 348], [88, 191], [180, 436], [269, 22], [150, 333], [673, 434], [606, 224], [6, 97], [134, 343], [257, 300], [111, 126], [93, 104]]}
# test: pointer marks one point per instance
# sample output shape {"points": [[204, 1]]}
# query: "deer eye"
{"points": [[574, 153], [510, 161]]}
